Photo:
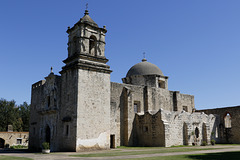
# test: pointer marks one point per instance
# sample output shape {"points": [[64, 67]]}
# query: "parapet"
{"points": [[38, 84]]}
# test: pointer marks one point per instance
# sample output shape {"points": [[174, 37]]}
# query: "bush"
{"points": [[18, 147], [45, 145], [213, 142], [204, 143]]}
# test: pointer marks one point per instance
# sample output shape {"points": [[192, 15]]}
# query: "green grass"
{"points": [[205, 156], [13, 158], [136, 152], [138, 148]]}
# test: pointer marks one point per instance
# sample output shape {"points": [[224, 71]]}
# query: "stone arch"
{"points": [[92, 45], [2, 143]]}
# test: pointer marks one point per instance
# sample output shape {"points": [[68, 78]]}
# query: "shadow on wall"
{"points": [[133, 139], [123, 121]]}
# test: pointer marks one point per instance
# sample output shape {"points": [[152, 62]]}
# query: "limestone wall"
{"points": [[182, 127], [159, 98], [150, 130], [123, 98], [185, 102], [165, 128], [93, 112], [223, 134], [14, 138], [67, 119]]}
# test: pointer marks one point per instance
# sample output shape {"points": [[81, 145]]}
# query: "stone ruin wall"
{"points": [[165, 128], [123, 98], [224, 133], [12, 138]]}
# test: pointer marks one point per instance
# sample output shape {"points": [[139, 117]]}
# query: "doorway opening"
{"points": [[112, 141], [2, 143], [48, 134]]}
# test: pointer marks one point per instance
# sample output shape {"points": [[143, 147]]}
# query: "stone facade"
{"points": [[82, 110], [13, 138]]}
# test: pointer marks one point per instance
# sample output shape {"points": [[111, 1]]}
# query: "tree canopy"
{"points": [[12, 114]]}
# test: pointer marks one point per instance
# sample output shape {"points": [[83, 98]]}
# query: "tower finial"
{"points": [[144, 59], [51, 69], [86, 11]]}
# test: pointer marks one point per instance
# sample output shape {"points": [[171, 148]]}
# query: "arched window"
{"points": [[92, 45], [228, 121]]}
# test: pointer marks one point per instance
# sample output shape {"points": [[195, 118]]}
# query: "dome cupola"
{"points": [[146, 74], [144, 68]]}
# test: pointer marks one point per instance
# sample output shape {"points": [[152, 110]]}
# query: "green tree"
{"points": [[10, 114], [24, 110]]}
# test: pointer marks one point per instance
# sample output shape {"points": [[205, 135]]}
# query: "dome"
{"points": [[144, 68]]}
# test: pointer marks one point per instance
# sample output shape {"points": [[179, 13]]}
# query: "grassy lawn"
{"points": [[13, 158], [146, 150], [205, 156]]}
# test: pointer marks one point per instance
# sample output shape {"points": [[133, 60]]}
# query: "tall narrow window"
{"points": [[137, 107], [67, 130], [48, 101], [196, 132], [92, 45], [228, 121]]}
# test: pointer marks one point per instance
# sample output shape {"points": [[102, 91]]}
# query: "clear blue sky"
{"points": [[194, 42]]}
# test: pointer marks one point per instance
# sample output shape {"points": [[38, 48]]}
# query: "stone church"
{"points": [[80, 109]]}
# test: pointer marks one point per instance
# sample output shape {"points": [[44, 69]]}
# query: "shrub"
{"points": [[45, 145], [204, 143], [18, 147], [213, 142]]}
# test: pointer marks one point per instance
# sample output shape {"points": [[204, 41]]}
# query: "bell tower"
{"points": [[86, 41], [86, 86]]}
